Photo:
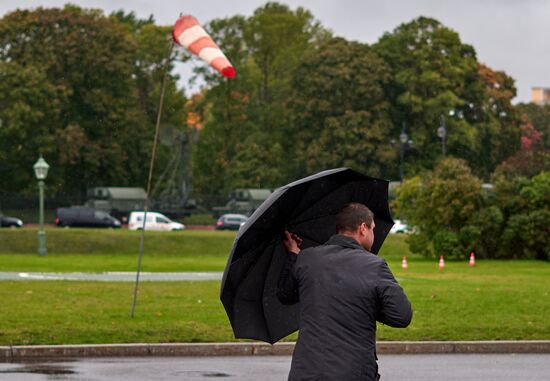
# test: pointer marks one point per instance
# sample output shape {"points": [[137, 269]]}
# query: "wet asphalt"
{"points": [[449, 367]]}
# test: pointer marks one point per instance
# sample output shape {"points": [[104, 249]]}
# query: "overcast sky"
{"points": [[509, 35]]}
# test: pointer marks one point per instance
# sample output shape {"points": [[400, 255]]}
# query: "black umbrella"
{"points": [[308, 208]]}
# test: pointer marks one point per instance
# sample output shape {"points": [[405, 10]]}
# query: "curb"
{"points": [[20, 353]]}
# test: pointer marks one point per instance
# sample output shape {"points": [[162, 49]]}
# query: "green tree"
{"points": [[434, 75], [96, 126], [29, 111], [245, 118], [442, 206], [340, 115]]}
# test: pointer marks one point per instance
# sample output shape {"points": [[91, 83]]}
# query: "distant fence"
{"points": [[25, 207]]}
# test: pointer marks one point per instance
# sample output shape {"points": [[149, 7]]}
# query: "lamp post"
{"points": [[41, 172], [405, 143], [442, 133]]}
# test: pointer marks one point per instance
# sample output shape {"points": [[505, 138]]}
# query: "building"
{"points": [[540, 95]]}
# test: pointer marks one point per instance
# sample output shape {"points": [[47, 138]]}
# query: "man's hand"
{"points": [[292, 242]]}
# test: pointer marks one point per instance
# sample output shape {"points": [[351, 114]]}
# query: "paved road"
{"points": [[486, 367], [114, 276]]}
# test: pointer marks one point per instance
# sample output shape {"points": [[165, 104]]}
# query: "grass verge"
{"points": [[496, 300], [99, 250]]}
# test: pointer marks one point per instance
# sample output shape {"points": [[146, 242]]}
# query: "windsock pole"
{"points": [[151, 167], [441, 263]]}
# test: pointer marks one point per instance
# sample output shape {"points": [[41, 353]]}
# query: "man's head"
{"points": [[357, 221]]}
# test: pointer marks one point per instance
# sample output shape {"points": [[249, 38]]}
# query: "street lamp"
{"points": [[442, 133], [405, 143], [41, 172]]}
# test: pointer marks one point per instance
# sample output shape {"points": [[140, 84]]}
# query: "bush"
{"points": [[446, 243], [489, 223], [527, 236], [200, 219]]}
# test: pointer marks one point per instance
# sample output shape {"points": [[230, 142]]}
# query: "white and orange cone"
{"points": [[189, 33], [472, 262], [441, 263], [404, 264]]}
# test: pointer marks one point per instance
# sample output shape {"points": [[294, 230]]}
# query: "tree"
{"points": [[539, 117], [434, 75], [339, 114], [442, 206], [96, 123], [245, 118], [29, 110]]}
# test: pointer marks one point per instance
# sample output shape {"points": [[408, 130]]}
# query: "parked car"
{"points": [[400, 227], [85, 217], [10, 222], [155, 221], [231, 222]]}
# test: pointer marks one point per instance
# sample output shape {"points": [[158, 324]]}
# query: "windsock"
{"points": [[441, 263], [190, 34]]}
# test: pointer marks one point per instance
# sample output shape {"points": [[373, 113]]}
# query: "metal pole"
{"points": [[41, 232], [151, 167]]}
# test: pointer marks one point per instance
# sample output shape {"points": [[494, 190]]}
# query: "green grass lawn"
{"points": [[99, 250], [496, 300]]}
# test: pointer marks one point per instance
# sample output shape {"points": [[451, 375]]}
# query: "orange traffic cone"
{"points": [[404, 264], [441, 263], [472, 259]]}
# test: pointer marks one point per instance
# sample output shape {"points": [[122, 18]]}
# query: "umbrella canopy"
{"points": [[307, 207]]}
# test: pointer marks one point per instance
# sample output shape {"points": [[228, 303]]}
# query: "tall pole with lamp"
{"points": [[41, 172]]}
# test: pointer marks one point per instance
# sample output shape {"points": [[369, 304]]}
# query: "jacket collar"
{"points": [[344, 241]]}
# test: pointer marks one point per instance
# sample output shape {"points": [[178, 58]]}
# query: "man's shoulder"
{"points": [[360, 254]]}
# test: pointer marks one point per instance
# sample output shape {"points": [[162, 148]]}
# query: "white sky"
{"points": [[509, 35]]}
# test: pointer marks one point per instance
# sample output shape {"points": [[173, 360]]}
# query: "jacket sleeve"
{"points": [[287, 287], [394, 308]]}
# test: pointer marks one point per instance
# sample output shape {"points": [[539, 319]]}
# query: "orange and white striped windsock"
{"points": [[190, 34]]}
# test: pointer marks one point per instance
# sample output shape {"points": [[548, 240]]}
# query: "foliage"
{"points": [[539, 117], [442, 206], [526, 203], [244, 138], [97, 81], [436, 76], [527, 235], [200, 219], [340, 116], [453, 216]]}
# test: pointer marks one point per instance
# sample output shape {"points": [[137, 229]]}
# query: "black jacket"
{"points": [[343, 290]]}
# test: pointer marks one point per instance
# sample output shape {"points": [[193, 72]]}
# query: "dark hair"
{"points": [[351, 216]]}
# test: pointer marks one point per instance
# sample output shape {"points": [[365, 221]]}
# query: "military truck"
{"points": [[118, 201], [243, 201]]}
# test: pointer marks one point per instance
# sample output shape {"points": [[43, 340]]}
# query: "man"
{"points": [[343, 289]]}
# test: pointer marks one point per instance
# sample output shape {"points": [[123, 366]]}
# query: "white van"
{"points": [[155, 221]]}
